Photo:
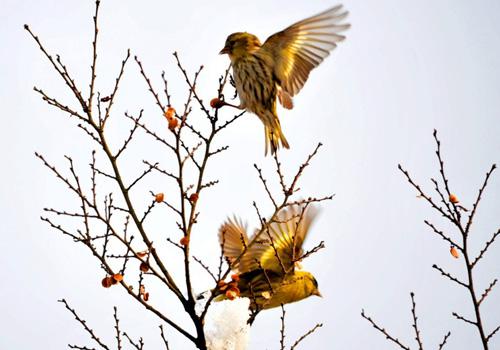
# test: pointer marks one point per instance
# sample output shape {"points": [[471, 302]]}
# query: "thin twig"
{"points": [[206, 268], [423, 195], [165, 342], [264, 182], [138, 346], [478, 199], [488, 338], [383, 331], [443, 236], [282, 329], [487, 245], [84, 325], [445, 339], [415, 325], [117, 328], [305, 335], [446, 274], [487, 291], [459, 317]]}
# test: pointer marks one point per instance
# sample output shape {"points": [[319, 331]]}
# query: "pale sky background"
{"points": [[406, 68]]}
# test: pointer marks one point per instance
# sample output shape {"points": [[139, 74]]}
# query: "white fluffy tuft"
{"points": [[226, 326]]}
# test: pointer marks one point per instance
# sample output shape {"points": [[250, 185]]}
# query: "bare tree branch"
{"points": [[414, 325], [383, 331], [305, 335], [450, 277], [84, 325], [445, 339], [487, 291], [485, 249]]}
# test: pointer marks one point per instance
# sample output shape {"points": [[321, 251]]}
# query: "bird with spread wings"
{"points": [[266, 265], [279, 68]]}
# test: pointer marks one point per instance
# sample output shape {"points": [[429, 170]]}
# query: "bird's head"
{"points": [[310, 284], [240, 44]]}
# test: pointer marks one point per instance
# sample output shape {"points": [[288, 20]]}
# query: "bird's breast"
{"points": [[254, 82]]}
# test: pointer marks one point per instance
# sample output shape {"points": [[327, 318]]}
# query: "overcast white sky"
{"points": [[406, 68]]}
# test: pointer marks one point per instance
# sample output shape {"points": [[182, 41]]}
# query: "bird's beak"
{"points": [[224, 50], [316, 292]]}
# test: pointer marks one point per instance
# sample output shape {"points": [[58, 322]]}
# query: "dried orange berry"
{"points": [[107, 282], [118, 277], [172, 124], [145, 296], [193, 197], [231, 294], [144, 267], [235, 277], [222, 285], [142, 289], [169, 113], [159, 197], [216, 103], [184, 241], [142, 254], [454, 252], [453, 199]]}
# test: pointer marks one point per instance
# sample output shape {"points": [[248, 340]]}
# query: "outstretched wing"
{"points": [[233, 239], [303, 46], [278, 248]]}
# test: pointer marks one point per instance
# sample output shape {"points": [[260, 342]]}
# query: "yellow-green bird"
{"points": [[267, 275], [280, 67]]}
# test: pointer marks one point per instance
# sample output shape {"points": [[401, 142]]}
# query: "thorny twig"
{"points": [[383, 331], [305, 335], [300, 339], [445, 339], [282, 329], [165, 342], [414, 326], [89, 330]]}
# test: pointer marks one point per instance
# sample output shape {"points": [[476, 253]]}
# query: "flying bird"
{"points": [[266, 266], [279, 68]]}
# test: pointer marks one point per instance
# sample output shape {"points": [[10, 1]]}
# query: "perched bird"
{"points": [[280, 67], [266, 264]]}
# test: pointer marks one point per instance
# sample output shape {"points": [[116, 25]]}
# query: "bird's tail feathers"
{"points": [[273, 134]]}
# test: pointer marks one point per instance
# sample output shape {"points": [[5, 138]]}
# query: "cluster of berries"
{"points": [[230, 288]]}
